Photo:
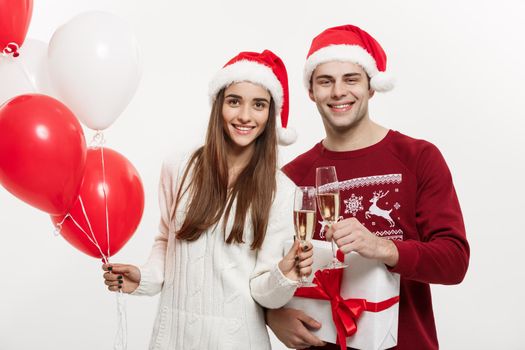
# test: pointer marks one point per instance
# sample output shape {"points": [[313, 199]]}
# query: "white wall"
{"points": [[460, 85]]}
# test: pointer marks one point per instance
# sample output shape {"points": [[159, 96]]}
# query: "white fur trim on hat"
{"points": [[286, 136], [347, 53], [245, 70]]}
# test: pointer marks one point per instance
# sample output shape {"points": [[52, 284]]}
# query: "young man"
{"points": [[397, 198]]}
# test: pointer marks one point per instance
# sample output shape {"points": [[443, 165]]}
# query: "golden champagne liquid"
{"points": [[328, 204], [304, 221]]}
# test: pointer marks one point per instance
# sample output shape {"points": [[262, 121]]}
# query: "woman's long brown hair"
{"points": [[254, 187]]}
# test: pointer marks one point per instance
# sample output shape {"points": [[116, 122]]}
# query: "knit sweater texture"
{"points": [[401, 189], [212, 292]]}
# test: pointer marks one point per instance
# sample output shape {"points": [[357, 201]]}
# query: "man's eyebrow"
{"points": [[324, 76], [350, 75]]}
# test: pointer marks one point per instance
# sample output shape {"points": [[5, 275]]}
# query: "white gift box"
{"points": [[363, 279]]}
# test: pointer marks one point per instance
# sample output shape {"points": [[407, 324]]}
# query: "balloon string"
{"points": [[122, 332], [97, 140], [105, 196], [92, 239], [58, 226], [91, 230], [11, 48], [121, 338], [121, 341]]}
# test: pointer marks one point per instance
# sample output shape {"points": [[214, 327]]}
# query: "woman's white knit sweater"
{"points": [[212, 292]]}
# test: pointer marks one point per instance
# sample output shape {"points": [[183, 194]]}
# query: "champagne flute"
{"points": [[328, 203], [304, 220]]}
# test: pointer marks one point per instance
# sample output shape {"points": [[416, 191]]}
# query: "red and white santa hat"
{"points": [[267, 70], [349, 43]]}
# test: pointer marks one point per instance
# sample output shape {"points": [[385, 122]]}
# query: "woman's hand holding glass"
{"points": [[304, 222], [297, 263]]}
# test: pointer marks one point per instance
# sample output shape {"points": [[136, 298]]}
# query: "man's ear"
{"points": [[311, 94], [371, 93]]}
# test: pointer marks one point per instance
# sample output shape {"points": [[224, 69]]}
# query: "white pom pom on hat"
{"points": [[286, 136]]}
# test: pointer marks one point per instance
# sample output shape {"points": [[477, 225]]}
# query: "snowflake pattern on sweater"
{"points": [[401, 189]]}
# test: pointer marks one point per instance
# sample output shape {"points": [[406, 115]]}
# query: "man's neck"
{"points": [[363, 135]]}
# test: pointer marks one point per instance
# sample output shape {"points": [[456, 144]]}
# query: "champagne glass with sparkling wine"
{"points": [[328, 203], [304, 220]]}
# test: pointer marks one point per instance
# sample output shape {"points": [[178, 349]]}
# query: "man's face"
{"points": [[341, 92]]}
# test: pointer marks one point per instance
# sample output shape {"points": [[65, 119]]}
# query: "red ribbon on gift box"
{"points": [[345, 312]]}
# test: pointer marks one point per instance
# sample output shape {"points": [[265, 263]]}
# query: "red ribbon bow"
{"points": [[345, 312]]}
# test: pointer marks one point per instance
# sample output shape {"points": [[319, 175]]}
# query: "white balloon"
{"points": [[33, 55], [13, 80], [94, 62], [27, 73]]}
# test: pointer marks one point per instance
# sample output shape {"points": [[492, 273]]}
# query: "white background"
{"points": [[459, 67]]}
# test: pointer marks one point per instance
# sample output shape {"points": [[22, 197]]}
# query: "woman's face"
{"points": [[245, 112]]}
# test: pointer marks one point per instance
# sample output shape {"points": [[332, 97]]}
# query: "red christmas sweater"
{"points": [[401, 189]]}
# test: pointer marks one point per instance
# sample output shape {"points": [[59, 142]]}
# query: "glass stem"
{"points": [[334, 251]]}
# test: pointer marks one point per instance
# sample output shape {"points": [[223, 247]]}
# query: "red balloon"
{"points": [[124, 196], [15, 16], [42, 152]]}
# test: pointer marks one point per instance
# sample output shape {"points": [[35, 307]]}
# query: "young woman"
{"points": [[226, 211]]}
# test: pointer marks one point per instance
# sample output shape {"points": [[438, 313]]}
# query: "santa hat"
{"points": [[267, 70], [349, 43]]}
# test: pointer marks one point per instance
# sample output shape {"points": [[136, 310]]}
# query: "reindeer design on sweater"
{"points": [[375, 210]]}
